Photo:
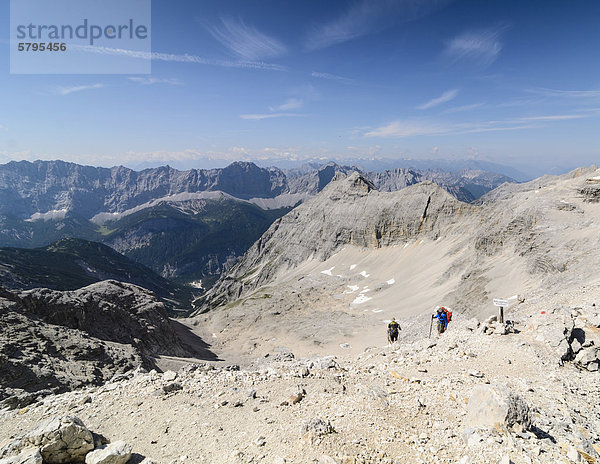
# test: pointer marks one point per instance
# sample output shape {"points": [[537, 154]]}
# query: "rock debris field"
{"points": [[526, 391]]}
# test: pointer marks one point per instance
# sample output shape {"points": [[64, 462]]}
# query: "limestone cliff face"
{"points": [[349, 211], [59, 340]]}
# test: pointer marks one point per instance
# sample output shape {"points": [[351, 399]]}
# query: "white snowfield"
{"points": [[48, 216]]}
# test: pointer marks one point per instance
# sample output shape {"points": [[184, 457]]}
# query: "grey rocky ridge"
{"points": [[70, 264], [53, 341]]}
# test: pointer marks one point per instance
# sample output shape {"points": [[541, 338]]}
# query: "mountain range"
{"points": [[190, 226]]}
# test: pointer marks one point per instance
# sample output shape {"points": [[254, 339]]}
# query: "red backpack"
{"points": [[448, 314]]}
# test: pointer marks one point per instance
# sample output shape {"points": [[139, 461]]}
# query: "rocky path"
{"points": [[481, 393]]}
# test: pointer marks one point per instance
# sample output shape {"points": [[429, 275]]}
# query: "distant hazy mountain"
{"points": [[185, 225], [70, 264]]}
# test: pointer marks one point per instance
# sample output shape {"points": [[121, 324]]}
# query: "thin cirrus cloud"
{"points": [[414, 128], [155, 80], [289, 104], [460, 109], [482, 46], [578, 94], [271, 116], [447, 96], [555, 117], [331, 77], [366, 17], [246, 42], [76, 88], [155, 56]]}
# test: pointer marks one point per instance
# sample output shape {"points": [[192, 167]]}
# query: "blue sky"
{"points": [[514, 82]]}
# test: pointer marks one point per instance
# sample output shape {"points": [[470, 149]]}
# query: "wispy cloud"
{"points": [[366, 17], [481, 46], [271, 115], [246, 42], [414, 128], [555, 117], [155, 56], [331, 77], [566, 93], [445, 97], [406, 129], [460, 109], [289, 104], [76, 88], [155, 80]]}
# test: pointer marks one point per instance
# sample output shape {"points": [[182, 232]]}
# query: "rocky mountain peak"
{"points": [[354, 185]]}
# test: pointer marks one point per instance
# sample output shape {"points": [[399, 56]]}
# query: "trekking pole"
{"points": [[430, 327]]}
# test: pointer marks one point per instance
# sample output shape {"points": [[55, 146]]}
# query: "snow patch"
{"points": [[405, 245], [363, 273], [353, 266], [378, 310], [328, 271], [360, 299], [391, 281], [48, 216], [365, 290]]}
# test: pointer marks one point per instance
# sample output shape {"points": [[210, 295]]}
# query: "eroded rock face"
{"points": [[39, 358], [108, 310], [349, 211], [53, 341]]}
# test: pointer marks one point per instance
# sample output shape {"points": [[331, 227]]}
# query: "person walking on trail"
{"points": [[393, 328], [448, 313], [442, 320]]}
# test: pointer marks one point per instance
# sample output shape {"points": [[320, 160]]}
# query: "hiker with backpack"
{"points": [[448, 313], [442, 321], [392, 332]]}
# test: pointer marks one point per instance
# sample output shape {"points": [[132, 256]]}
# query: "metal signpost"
{"points": [[502, 304]]}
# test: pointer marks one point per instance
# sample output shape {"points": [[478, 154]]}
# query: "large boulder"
{"points": [[555, 328], [62, 440], [118, 452], [492, 406]]}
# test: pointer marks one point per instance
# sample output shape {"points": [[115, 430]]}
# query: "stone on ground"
{"points": [[118, 452]]}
